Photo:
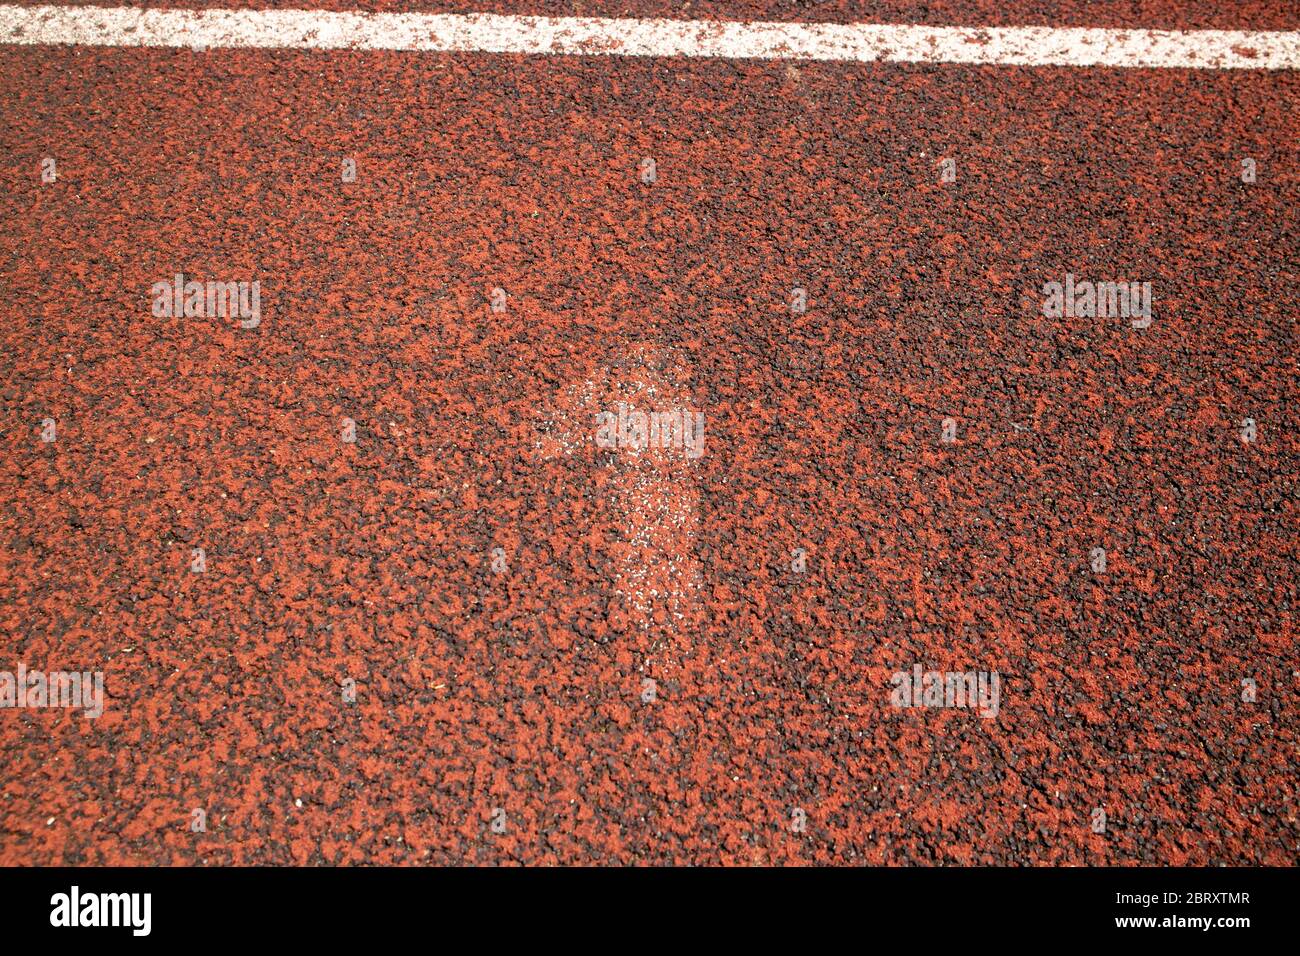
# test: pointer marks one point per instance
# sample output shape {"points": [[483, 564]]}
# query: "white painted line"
{"points": [[587, 36]]}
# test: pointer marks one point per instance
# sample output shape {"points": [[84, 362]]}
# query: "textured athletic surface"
{"points": [[502, 711]]}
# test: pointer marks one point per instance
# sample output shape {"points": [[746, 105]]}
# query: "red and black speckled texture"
{"points": [[523, 690]]}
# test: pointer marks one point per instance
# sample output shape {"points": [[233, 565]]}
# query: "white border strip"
{"points": [[587, 36]]}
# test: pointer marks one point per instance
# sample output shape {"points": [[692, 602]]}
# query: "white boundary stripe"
{"points": [[586, 36]]}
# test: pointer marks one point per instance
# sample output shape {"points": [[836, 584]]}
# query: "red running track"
{"points": [[516, 680]]}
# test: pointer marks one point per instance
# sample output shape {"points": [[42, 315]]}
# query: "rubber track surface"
{"points": [[523, 690]]}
